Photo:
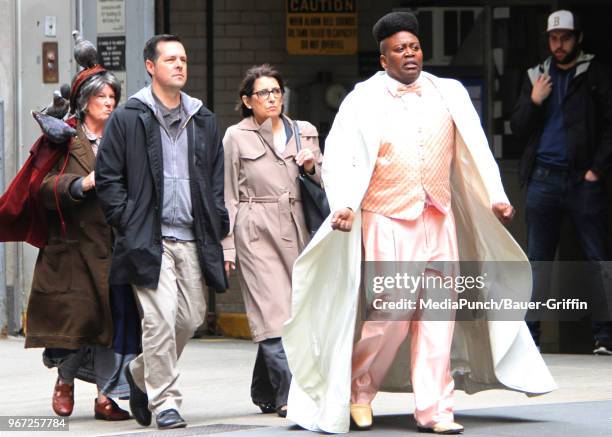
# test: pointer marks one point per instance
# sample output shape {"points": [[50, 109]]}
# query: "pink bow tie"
{"points": [[412, 88]]}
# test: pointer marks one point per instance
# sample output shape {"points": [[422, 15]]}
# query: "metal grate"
{"points": [[202, 430]]}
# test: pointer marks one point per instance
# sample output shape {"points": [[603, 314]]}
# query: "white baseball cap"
{"points": [[561, 19]]}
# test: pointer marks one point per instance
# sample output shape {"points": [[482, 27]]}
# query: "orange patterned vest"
{"points": [[406, 176]]}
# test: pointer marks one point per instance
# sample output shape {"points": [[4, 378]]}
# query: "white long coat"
{"points": [[318, 339]]}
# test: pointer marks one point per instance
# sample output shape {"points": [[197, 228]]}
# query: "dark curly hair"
{"points": [[248, 81]]}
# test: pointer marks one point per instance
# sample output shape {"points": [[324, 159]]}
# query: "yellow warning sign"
{"points": [[321, 27]]}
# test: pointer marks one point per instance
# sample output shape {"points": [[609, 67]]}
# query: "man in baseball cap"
{"points": [[564, 117], [564, 36]]}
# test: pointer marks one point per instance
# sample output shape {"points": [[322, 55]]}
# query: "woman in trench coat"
{"points": [[71, 311], [267, 228]]}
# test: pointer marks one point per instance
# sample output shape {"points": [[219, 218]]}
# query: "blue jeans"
{"points": [[550, 197]]}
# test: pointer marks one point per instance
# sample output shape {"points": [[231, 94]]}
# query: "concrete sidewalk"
{"points": [[216, 376]]}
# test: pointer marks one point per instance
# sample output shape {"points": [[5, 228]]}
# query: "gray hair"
{"points": [[93, 86]]}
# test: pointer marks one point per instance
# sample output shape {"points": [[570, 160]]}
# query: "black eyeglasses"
{"points": [[264, 94]]}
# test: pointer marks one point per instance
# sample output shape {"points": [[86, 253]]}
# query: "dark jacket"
{"points": [[587, 112], [69, 305], [129, 183]]}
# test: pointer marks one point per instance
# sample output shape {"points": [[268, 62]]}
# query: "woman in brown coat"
{"points": [[69, 311], [267, 228]]}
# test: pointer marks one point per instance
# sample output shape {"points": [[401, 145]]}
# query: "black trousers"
{"points": [[271, 375], [550, 196]]}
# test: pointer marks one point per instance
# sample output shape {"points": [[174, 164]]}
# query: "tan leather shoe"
{"points": [[63, 399], [446, 428], [361, 415]]}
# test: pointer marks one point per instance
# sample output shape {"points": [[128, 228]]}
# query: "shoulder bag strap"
{"points": [[298, 144]]}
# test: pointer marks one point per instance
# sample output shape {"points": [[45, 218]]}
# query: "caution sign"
{"points": [[321, 27]]}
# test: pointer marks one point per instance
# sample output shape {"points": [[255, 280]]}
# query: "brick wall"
{"points": [[250, 32]]}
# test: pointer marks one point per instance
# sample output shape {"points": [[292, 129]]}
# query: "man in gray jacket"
{"points": [[159, 177]]}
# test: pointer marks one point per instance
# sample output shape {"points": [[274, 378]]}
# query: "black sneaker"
{"points": [[139, 401], [602, 349], [169, 419]]}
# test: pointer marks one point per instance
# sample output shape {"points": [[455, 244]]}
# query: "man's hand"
{"points": [[541, 89], [504, 212], [89, 182], [306, 158], [229, 266], [342, 220], [591, 176]]}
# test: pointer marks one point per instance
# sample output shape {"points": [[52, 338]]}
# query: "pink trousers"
{"points": [[431, 237]]}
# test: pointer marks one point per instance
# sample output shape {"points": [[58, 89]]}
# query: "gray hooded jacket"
{"points": [[177, 211]]}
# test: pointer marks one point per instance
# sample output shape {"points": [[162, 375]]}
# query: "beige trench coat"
{"points": [[267, 228]]}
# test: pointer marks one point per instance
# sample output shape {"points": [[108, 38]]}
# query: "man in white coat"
{"points": [[410, 177]]}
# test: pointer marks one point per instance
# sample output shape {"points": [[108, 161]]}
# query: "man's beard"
{"points": [[569, 58]]}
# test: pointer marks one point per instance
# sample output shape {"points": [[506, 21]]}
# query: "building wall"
{"points": [[22, 32], [248, 33], [7, 82], [7, 151]]}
